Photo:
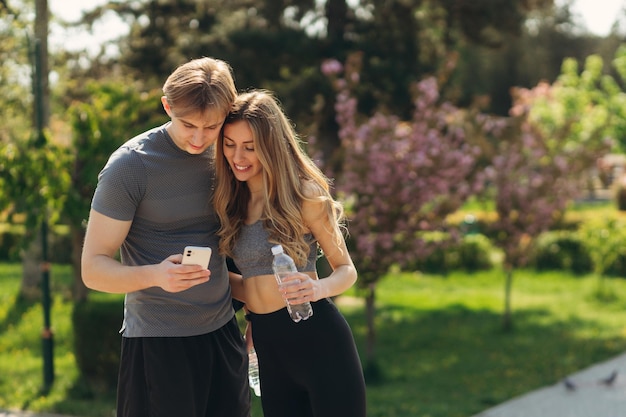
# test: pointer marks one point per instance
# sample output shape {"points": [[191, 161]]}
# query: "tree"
{"points": [[399, 179], [555, 136], [28, 165], [279, 45], [15, 68], [604, 240]]}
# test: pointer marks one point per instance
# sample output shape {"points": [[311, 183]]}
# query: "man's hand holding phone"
{"points": [[187, 270]]}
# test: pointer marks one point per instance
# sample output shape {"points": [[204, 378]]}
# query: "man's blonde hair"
{"points": [[200, 85]]}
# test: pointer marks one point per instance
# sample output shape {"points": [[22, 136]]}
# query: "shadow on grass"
{"points": [[457, 362], [15, 313]]}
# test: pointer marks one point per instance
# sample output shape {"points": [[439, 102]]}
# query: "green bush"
{"points": [[471, 253], [9, 246], [618, 267], [12, 240], [561, 250], [474, 253], [97, 342], [604, 238], [620, 194]]}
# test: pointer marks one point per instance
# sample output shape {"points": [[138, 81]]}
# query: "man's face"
{"points": [[194, 132]]}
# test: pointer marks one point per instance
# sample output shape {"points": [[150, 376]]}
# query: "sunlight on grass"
{"points": [[21, 323]]}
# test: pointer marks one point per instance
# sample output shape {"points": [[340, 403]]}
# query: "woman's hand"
{"points": [[300, 288]]}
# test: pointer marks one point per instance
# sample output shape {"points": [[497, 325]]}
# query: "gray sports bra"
{"points": [[253, 253]]}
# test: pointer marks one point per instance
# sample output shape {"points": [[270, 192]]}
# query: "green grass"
{"points": [[443, 352], [440, 345]]}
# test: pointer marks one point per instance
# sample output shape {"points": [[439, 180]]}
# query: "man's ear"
{"points": [[166, 106]]}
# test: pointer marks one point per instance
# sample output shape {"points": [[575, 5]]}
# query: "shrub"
{"points": [[620, 193], [474, 253], [97, 342], [560, 250], [471, 253], [59, 244], [9, 246]]}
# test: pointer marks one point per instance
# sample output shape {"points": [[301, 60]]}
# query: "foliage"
{"points": [[616, 99], [279, 45], [554, 138], [539, 167], [619, 188], [111, 113], [470, 253], [400, 178], [15, 72], [32, 168], [560, 250], [12, 238], [33, 179], [603, 238], [97, 342]]}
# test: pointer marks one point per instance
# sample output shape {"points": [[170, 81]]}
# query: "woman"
{"points": [[270, 192]]}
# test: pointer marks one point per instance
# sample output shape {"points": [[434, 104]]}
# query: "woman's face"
{"points": [[240, 153]]}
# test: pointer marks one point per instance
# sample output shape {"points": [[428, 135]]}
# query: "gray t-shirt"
{"points": [[166, 192]]}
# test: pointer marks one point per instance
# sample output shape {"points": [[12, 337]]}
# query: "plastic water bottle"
{"points": [[253, 372], [284, 266]]}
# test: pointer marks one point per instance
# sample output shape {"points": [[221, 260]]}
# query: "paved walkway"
{"points": [[582, 394]]}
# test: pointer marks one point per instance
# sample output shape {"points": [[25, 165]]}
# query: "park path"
{"points": [[586, 396]]}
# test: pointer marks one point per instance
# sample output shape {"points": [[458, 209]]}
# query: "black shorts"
{"points": [[196, 376]]}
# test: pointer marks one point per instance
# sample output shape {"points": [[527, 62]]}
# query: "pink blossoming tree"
{"points": [[554, 137], [399, 178]]}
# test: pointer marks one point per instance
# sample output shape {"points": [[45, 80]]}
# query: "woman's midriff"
{"points": [[262, 295]]}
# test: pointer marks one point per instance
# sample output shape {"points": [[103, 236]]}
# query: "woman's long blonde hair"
{"points": [[290, 178]]}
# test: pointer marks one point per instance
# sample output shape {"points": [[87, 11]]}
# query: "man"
{"points": [[182, 352]]}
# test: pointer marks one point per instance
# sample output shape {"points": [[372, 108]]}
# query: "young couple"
{"points": [[227, 172]]}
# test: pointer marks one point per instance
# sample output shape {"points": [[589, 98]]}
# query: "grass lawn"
{"points": [[440, 345]]}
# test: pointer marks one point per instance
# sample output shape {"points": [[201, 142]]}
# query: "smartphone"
{"points": [[197, 255]]}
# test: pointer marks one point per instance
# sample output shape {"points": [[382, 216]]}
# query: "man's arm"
{"points": [[102, 272]]}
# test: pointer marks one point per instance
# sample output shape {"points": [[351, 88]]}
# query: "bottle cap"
{"points": [[277, 249]]}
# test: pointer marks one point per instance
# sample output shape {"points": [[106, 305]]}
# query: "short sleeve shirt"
{"points": [[166, 193]]}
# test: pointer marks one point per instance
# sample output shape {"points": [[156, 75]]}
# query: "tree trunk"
{"points": [[372, 371], [31, 270], [80, 291], [41, 34], [32, 256], [337, 17], [507, 321], [370, 314]]}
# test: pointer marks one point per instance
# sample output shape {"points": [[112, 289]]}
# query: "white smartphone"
{"points": [[197, 255]]}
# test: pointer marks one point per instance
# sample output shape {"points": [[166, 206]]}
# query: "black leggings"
{"points": [[311, 368]]}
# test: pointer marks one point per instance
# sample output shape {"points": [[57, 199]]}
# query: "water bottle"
{"points": [[253, 372], [284, 266]]}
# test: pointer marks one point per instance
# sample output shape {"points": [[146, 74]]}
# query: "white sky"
{"points": [[598, 16], [71, 10]]}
